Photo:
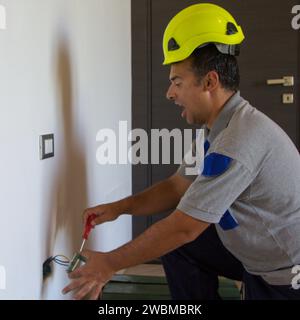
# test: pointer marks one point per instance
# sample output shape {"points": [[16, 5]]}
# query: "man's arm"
{"points": [[160, 197], [162, 237]]}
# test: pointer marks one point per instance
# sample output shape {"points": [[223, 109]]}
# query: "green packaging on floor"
{"points": [[133, 287]]}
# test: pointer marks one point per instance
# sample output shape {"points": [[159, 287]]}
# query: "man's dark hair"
{"points": [[208, 58]]}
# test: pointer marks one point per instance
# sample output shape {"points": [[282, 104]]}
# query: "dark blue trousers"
{"points": [[192, 272]]}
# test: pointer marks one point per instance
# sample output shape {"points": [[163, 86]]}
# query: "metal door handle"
{"points": [[287, 81]]}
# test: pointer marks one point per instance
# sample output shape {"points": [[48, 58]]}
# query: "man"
{"points": [[240, 217]]}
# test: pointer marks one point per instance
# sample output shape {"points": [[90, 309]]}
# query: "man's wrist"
{"points": [[113, 261], [125, 205]]}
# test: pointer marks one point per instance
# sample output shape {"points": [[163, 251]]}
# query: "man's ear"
{"points": [[211, 81]]}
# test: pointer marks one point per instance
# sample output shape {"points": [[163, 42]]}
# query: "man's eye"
{"points": [[178, 84]]}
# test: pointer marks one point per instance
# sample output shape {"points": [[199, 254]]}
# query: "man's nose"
{"points": [[170, 94]]}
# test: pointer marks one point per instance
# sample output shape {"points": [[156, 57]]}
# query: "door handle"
{"points": [[287, 81]]}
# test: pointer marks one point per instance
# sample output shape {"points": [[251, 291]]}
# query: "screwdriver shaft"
{"points": [[82, 245]]}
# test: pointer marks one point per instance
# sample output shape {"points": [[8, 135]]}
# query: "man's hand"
{"points": [[104, 212], [89, 280]]}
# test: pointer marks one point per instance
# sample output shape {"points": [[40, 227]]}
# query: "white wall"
{"points": [[65, 68]]}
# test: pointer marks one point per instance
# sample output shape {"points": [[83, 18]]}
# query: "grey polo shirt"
{"points": [[249, 186]]}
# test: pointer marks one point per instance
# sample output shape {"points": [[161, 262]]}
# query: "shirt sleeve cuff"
{"points": [[198, 214], [181, 171]]}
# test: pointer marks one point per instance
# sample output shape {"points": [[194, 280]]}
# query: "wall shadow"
{"points": [[69, 186]]}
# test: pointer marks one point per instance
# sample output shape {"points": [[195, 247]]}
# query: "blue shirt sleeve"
{"points": [[213, 192]]}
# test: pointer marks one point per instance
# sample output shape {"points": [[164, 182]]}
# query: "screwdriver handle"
{"points": [[88, 226]]}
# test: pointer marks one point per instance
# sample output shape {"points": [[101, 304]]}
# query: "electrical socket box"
{"points": [[77, 261], [47, 267]]}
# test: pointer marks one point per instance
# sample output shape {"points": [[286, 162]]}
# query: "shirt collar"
{"points": [[224, 117]]}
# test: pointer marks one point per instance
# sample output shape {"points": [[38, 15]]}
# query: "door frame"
{"points": [[141, 96]]}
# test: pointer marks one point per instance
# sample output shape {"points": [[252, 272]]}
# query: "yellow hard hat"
{"points": [[199, 25]]}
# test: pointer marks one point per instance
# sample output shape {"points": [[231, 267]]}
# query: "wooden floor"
{"points": [[148, 282], [155, 270]]}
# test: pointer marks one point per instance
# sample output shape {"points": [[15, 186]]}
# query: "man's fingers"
{"points": [[73, 285], [87, 213], [77, 273], [96, 293], [93, 220], [98, 220], [87, 288]]}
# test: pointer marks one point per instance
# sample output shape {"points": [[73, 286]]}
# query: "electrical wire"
{"points": [[63, 256], [61, 259]]}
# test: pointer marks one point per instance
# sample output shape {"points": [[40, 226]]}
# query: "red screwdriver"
{"points": [[87, 229]]}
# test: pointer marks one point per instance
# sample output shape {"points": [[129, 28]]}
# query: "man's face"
{"points": [[186, 91]]}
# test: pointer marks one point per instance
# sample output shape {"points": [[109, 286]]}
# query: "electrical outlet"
{"points": [[46, 146]]}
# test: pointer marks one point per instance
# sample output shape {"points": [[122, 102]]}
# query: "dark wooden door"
{"points": [[270, 51]]}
